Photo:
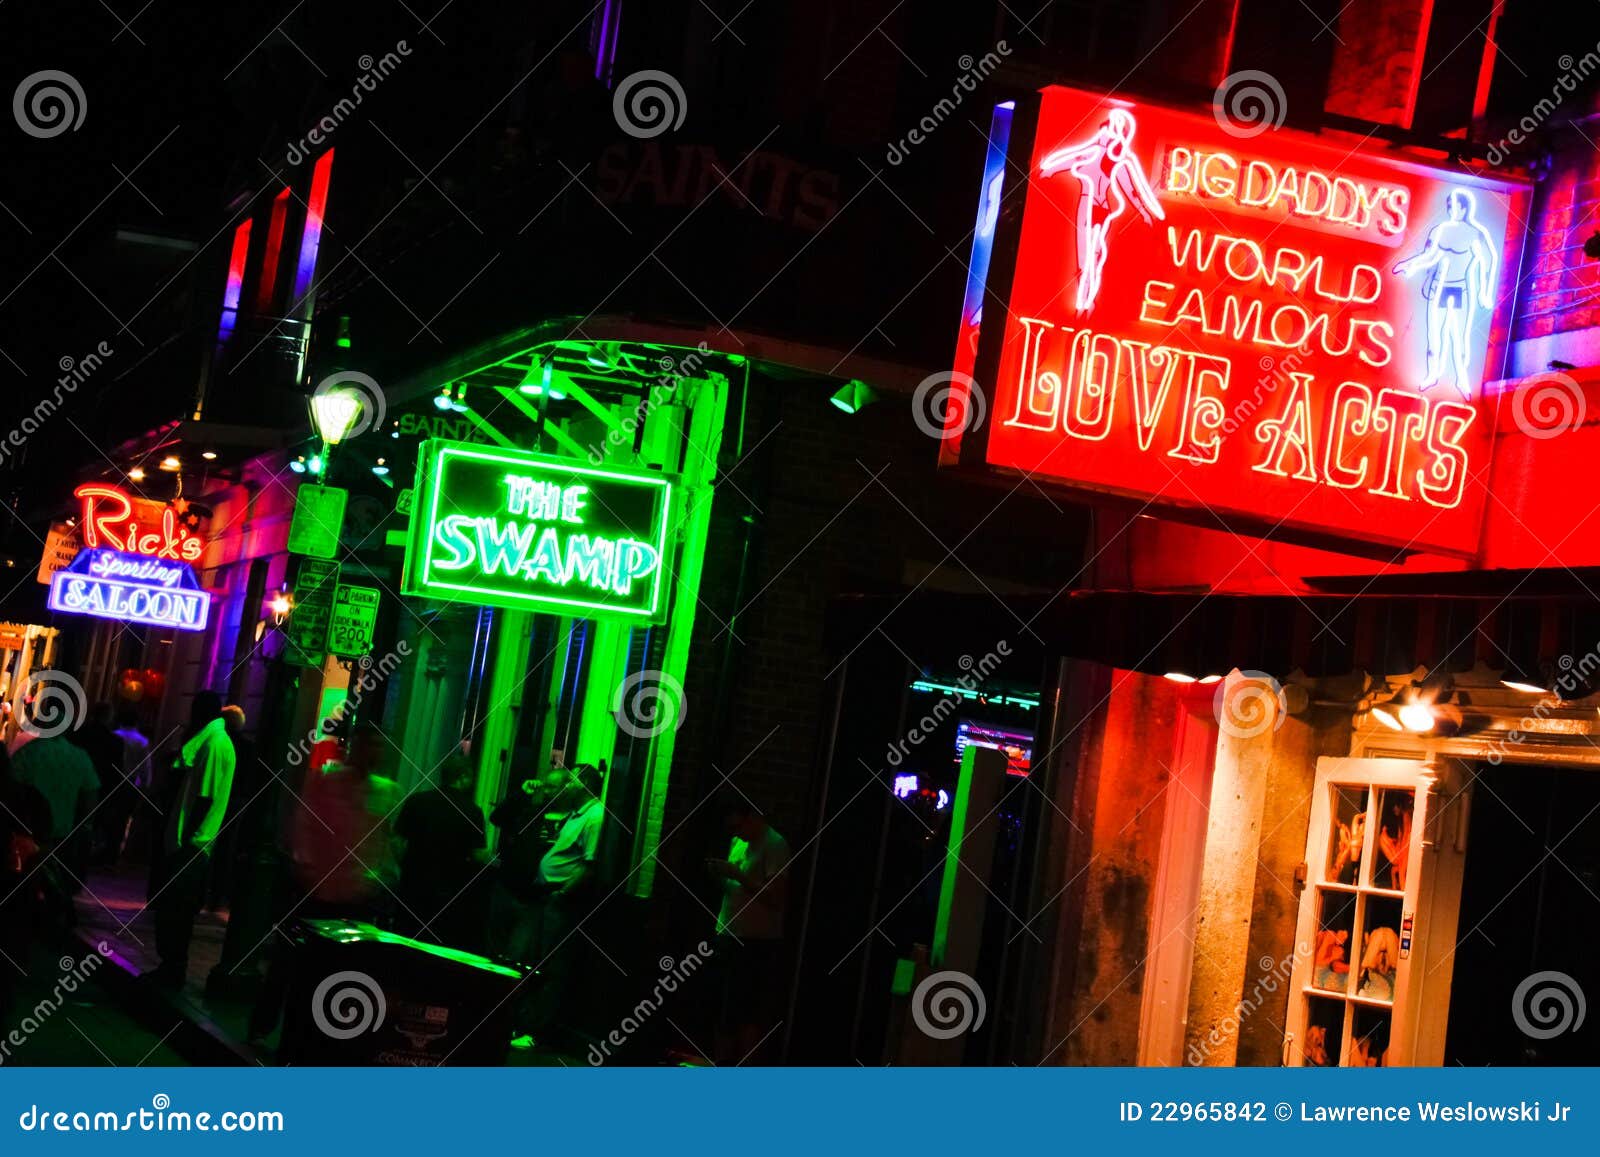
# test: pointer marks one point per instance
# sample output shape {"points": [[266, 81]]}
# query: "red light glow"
{"points": [[113, 518], [1272, 332]]}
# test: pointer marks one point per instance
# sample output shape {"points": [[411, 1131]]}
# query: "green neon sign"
{"points": [[539, 533]]}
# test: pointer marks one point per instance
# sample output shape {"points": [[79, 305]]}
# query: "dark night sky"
{"points": [[179, 105]]}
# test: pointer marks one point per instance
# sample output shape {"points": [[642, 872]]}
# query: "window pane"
{"points": [[1393, 852], [1380, 949], [1369, 1045], [1324, 1032], [1335, 930], [1346, 835]]}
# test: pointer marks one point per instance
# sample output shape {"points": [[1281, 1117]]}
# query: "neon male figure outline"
{"points": [[1112, 178], [1460, 259]]}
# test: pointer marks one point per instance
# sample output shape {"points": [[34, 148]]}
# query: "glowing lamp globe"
{"points": [[335, 412]]}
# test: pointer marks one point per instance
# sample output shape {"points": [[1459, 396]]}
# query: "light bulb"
{"points": [[1416, 717]]}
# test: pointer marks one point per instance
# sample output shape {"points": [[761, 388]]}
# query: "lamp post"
{"points": [[334, 412]]}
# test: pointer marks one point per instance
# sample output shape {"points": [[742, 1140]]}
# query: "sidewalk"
{"points": [[111, 911]]}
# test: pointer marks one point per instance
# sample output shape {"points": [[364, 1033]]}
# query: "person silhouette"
{"points": [[1459, 256], [1112, 178]]}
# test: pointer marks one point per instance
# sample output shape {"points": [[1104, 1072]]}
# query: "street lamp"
{"points": [[334, 413]]}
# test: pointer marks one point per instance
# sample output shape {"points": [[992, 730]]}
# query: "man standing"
{"points": [[65, 776], [127, 794], [528, 829], [104, 750], [204, 771], [750, 930], [567, 874], [441, 830]]}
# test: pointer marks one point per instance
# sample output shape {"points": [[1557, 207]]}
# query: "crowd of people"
{"points": [[351, 845]]}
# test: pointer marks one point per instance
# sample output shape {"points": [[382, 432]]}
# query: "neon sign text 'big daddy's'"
{"points": [[1295, 337]]}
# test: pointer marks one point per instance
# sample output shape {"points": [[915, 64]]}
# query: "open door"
{"points": [[1381, 885]]}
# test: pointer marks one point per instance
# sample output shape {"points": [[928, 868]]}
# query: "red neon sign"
{"points": [[113, 518], [1276, 331]]}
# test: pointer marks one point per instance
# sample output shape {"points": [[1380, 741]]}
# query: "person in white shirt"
{"points": [[567, 873], [750, 929]]}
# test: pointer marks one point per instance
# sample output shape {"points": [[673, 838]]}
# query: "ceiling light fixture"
{"points": [[854, 396]]}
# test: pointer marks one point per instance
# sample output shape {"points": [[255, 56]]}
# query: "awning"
{"points": [[1199, 634]]}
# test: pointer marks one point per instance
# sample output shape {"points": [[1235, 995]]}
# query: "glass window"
{"points": [[1346, 835], [1392, 854]]}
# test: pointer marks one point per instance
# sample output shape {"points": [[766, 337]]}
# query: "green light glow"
{"points": [[969, 693], [516, 529], [952, 859], [335, 412], [351, 932], [853, 396]]}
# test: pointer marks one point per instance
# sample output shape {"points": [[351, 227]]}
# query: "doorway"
{"points": [[1525, 966]]}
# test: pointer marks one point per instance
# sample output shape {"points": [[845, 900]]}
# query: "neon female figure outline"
{"points": [[1459, 255], [1113, 178]]}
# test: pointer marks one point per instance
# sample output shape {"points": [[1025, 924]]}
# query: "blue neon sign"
{"points": [[131, 588]]}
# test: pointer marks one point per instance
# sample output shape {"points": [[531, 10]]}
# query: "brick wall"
{"points": [[1559, 284], [827, 529]]}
